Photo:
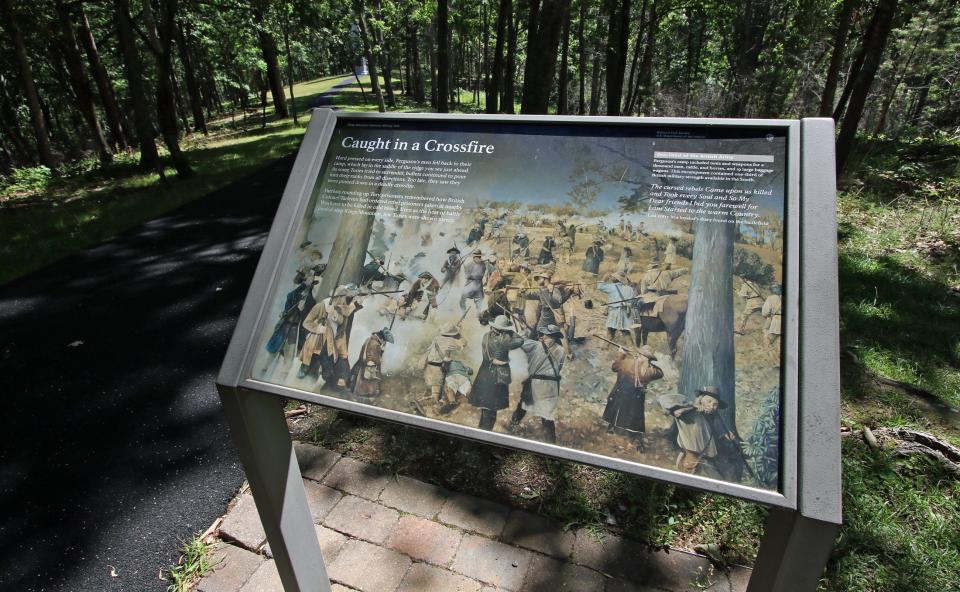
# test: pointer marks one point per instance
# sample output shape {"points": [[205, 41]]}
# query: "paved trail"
{"points": [[115, 446]]}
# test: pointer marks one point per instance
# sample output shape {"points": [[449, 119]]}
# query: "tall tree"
{"points": [[616, 52], [836, 57], [504, 16], [108, 98], [190, 75], [873, 48], [268, 47], [41, 135], [368, 51], [750, 32], [509, 80], [544, 26], [443, 56], [582, 62], [563, 80], [149, 157]]}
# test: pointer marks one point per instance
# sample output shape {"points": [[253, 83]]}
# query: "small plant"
{"points": [[192, 566], [26, 180]]}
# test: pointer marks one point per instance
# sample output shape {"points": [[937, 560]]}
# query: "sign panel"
{"points": [[615, 292]]}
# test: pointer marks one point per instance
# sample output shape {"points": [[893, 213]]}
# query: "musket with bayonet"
{"points": [[375, 293], [617, 345]]}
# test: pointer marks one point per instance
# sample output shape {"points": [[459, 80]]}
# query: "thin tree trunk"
{"points": [[873, 56], [149, 157], [107, 96], [41, 135], [543, 39], [504, 15], [443, 56], [836, 57], [563, 98], [644, 93], [370, 54], [582, 43], [80, 83], [634, 62], [751, 27], [387, 61], [509, 77], [190, 75], [286, 44], [432, 52], [616, 61], [419, 93]]}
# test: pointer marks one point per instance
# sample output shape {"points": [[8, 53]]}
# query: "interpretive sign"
{"points": [[613, 293], [619, 292]]}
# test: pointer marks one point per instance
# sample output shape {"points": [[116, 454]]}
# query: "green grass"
{"points": [[193, 564]]}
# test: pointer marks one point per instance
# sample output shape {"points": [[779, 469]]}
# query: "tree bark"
{"points": [[563, 80], [80, 83], [115, 121], [634, 62], [419, 94], [836, 57], [582, 43], [543, 39], [286, 44], [190, 75], [643, 96], [509, 77], [443, 56], [40, 132], [708, 352], [370, 54], [138, 96], [616, 62], [504, 16], [432, 52], [751, 27], [873, 56]]}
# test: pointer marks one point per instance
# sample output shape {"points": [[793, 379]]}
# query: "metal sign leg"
{"points": [[793, 553], [260, 433]]}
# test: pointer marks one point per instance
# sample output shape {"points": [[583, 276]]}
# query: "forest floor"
{"points": [[899, 219]]}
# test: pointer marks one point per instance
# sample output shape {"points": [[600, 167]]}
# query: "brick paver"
{"points": [[425, 540], [414, 497], [314, 461], [265, 579], [492, 562], [358, 478], [611, 555], [427, 578], [474, 514], [242, 524], [739, 578], [363, 519], [550, 575], [368, 567], [321, 499], [535, 532], [232, 567]]}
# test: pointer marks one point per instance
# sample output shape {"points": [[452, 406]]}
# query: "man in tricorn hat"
{"points": [[439, 356], [490, 390], [626, 403], [706, 443], [541, 390], [365, 376], [423, 289], [474, 272], [328, 326], [593, 257], [546, 250]]}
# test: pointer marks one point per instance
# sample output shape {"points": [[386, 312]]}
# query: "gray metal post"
{"points": [[797, 544], [260, 432]]}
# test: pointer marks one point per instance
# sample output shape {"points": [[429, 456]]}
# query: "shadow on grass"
{"points": [[901, 323]]}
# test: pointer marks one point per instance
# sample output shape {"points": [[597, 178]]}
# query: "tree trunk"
{"points": [[616, 62], [138, 96], [836, 57], [419, 94], [504, 16], [643, 97], [443, 56], [634, 62], [40, 132], [115, 120], [80, 83], [432, 52], [161, 39], [371, 55], [509, 77], [387, 61], [563, 98], [543, 39], [873, 56], [751, 27], [582, 43], [708, 353], [193, 87]]}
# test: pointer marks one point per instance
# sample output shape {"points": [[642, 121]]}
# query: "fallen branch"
{"points": [[915, 442], [302, 409]]}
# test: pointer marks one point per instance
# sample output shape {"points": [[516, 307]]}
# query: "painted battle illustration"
{"points": [[611, 289]]}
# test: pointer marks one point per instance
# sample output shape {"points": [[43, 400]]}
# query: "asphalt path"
{"points": [[115, 447]]}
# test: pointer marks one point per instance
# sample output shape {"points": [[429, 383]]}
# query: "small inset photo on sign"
{"points": [[605, 288]]}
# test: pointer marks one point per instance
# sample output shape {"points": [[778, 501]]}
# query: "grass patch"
{"points": [[192, 566]]}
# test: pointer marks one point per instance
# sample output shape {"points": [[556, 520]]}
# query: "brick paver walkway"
{"points": [[380, 533]]}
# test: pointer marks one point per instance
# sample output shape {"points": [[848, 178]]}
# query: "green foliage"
{"points": [[763, 445], [750, 266], [193, 564], [26, 180]]}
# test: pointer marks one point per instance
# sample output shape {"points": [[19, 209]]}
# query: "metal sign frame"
{"points": [[805, 512]]}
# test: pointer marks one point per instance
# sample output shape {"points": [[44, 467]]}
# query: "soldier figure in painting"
{"points": [[706, 443], [566, 248], [670, 253], [626, 403], [659, 282], [373, 272], [490, 391], [474, 272], [520, 247], [365, 377], [451, 266], [752, 304], [593, 257], [476, 233], [620, 295], [546, 250], [327, 344], [771, 310], [541, 390], [438, 358], [423, 289]]}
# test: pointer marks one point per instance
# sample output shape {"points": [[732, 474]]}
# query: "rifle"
{"points": [[340, 274], [622, 301], [628, 350], [374, 293]]}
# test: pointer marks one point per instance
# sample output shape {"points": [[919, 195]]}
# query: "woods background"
{"points": [[94, 77]]}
